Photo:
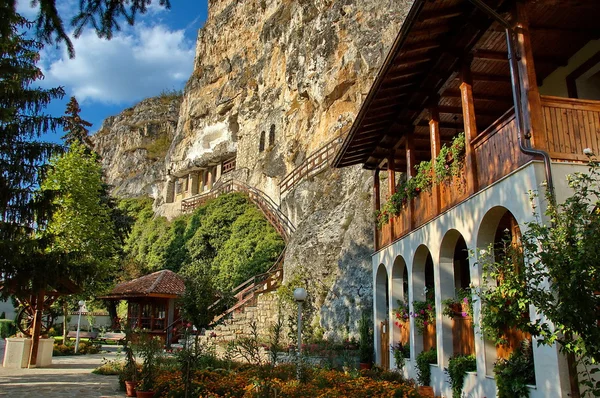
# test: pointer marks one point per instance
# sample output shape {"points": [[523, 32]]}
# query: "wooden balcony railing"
{"points": [[570, 126], [228, 165]]}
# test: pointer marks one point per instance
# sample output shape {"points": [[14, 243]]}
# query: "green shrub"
{"points": [[424, 359], [458, 367], [515, 373], [7, 328]]}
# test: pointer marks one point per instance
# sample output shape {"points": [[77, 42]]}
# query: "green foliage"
{"points": [[365, 347], [150, 350], [458, 366], [23, 153], [159, 147], [228, 237], [505, 305], [199, 302], [75, 127], [81, 227], [401, 352], [515, 373], [424, 312], [448, 164], [7, 328], [424, 359]]}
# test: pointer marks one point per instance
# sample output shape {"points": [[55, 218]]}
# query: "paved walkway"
{"points": [[69, 376]]}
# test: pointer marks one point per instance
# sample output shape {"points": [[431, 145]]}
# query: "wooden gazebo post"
{"points": [[38, 302]]}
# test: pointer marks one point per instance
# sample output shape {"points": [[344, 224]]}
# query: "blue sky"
{"points": [[140, 61]]}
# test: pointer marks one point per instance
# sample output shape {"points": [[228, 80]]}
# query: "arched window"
{"points": [[272, 135], [261, 144]]}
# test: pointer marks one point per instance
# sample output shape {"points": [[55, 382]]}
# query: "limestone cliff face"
{"points": [[133, 146], [292, 74]]}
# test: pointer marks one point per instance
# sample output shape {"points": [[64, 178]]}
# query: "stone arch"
{"points": [[423, 283], [399, 330], [381, 308], [498, 224], [457, 336]]}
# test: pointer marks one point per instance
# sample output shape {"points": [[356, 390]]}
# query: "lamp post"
{"points": [[81, 306], [299, 296]]}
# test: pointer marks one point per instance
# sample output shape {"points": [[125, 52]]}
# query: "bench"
{"points": [[91, 336], [117, 337]]}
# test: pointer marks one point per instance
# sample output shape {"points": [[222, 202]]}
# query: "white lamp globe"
{"points": [[300, 294], [81, 303]]}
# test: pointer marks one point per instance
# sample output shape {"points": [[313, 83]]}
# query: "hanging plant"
{"points": [[401, 314], [424, 312], [449, 162], [460, 305], [458, 366]]}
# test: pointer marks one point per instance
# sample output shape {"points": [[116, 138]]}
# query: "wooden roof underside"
{"points": [[421, 69]]}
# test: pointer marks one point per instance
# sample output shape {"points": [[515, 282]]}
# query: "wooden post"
{"points": [[470, 123], [410, 173], [37, 327], [391, 188], [376, 205], [434, 131], [533, 120]]}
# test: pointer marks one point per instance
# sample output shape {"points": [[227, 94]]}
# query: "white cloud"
{"points": [[138, 62]]}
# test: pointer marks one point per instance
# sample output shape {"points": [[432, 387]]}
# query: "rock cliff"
{"points": [[273, 81], [133, 145]]}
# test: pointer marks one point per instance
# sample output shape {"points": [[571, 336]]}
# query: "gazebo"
{"points": [[151, 301]]}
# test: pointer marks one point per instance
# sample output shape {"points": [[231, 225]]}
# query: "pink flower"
{"points": [[466, 300], [422, 312], [189, 325], [425, 323], [464, 314]]}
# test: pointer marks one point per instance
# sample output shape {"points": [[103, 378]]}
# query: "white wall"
{"points": [[556, 84]]}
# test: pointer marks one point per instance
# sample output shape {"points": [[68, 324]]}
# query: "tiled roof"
{"points": [[160, 283]]}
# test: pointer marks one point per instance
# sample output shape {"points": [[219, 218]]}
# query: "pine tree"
{"points": [[23, 258], [75, 127]]}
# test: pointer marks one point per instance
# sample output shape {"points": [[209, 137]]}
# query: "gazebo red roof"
{"points": [[163, 283]]}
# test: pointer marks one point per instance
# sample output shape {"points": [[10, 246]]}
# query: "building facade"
{"points": [[514, 83]]}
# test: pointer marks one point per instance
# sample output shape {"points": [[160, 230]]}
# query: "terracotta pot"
{"points": [[426, 391], [130, 388], [145, 394], [363, 366]]}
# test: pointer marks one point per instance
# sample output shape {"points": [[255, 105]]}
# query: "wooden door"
{"points": [[385, 344]]}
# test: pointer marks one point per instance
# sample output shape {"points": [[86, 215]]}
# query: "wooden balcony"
{"points": [[569, 126]]}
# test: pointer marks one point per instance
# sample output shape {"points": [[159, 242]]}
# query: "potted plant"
{"points": [[129, 373], [150, 350], [365, 352]]}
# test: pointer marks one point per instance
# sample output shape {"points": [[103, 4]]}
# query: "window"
{"points": [[261, 144], [146, 318], [134, 313], [272, 135], [159, 317]]}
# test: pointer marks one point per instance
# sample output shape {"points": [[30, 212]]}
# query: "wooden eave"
{"points": [[421, 69]]}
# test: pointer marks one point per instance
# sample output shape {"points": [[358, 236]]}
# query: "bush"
{"points": [[69, 349], [458, 367], [7, 328], [515, 373], [424, 359]]}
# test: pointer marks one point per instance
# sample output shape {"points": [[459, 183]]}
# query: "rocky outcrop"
{"points": [[133, 146], [273, 81]]}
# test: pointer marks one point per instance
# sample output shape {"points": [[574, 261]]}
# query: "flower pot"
{"points": [[363, 366], [145, 394], [130, 388], [426, 391]]}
